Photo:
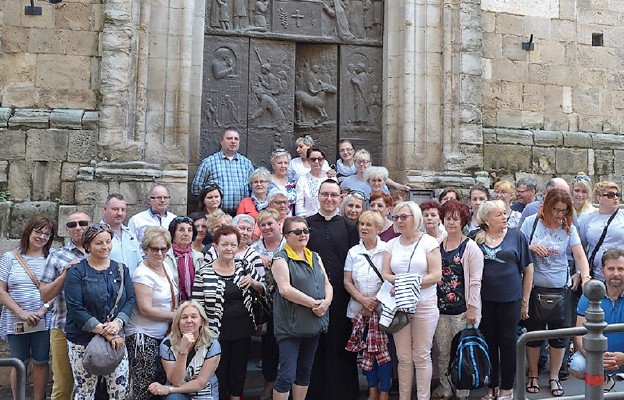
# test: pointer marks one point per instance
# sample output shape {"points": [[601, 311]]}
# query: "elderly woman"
{"points": [[504, 190], [259, 181], [551, 236], [414, 253], [182, 260], [608, 219], [224, 288], [245, 225], [505, 290], [362, 279], [91, 289], [376, 178], [299, 166], [308, 185], [300, 308], [199, 221], [190, 356], [459, 290], [353, 204], [581, 199], [280, 180], [449, 194], [432, 220], [156, 300], [25, 320], [478, 194], [382, 203], [278, 200]]}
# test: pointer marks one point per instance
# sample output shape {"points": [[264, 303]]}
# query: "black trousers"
{"points": [[232, 368]]}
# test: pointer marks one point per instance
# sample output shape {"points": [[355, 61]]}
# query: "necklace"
{"points": [[492, 239]]}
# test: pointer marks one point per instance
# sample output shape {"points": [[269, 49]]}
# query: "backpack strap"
{"points": [[602, 238]]}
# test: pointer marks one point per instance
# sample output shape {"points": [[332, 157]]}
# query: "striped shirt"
{"points": [[55, 266], [21, 289], [231, 175]]}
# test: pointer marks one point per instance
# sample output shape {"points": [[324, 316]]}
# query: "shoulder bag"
{"points": [[100, 358]]}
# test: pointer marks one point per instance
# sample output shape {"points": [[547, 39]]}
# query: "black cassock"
{"points": [[334, 374]]}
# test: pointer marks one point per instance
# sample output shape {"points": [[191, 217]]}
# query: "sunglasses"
{"points": [[581, 178], [403, 217], [160, 198], [357, 193], [612, 195], [99, 227], [299, 231], [316, 159], [73, 224], [157, 250], [183, 219]]}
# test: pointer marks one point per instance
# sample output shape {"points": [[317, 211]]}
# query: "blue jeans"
{"points": [[296, 356], [35, 345], [177, 396], [380, 374]]}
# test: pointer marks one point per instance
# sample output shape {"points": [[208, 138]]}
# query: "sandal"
{"points": [[533, 385], [506, 397], [558, 390]]}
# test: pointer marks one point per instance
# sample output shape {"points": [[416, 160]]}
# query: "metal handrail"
{"points": [[20, 368]]}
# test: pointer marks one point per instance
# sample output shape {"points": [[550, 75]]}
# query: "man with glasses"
{"points": [[533, 207], [157, 213], [334, 374], [526, 190], [52, 283], [227, 169], [126, 247]]}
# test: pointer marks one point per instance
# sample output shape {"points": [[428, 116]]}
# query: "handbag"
{"points": [[100, 358], [260, 307], [549, 304]]}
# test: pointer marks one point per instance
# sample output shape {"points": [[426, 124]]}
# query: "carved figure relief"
{"points": [[361, 85], [336, 10], [224, 63], [224, 14], [240, 15], [260, 11]]}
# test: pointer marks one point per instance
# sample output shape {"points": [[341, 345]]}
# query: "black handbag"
{"points": [[549, 304]]}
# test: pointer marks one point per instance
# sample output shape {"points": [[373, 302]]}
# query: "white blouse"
{"points": [[364, 278]]}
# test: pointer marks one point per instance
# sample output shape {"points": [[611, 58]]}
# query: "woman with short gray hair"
{"points": [[376, 178], [259, 181], [280, 159]]}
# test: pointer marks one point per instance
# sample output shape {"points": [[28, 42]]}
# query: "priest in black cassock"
{"points": [[335, 373]]}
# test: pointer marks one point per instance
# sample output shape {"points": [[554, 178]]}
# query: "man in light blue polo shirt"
{"points": [[613, 306], [126, 247]]}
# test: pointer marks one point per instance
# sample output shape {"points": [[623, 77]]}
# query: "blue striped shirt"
{"points": [[231, 175]]}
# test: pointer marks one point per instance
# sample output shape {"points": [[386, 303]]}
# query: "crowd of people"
{"points": [[300, 255]]}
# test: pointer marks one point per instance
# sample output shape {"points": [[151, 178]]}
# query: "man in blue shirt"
{"points": [[227, 169], [613, 306]]}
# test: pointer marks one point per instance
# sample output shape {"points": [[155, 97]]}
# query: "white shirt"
{"points": [[307, 195], [400, 263], [142, 220], [161, 299], [296, 169], [366, 281]]}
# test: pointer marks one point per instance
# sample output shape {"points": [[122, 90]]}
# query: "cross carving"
{"points": [[298, 17]]}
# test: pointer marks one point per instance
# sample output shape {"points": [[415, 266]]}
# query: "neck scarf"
{"points": [[260, 205], [186, 270]]}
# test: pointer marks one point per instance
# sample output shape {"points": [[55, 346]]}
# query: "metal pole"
{"points": [[20, 368], [594, 342]]}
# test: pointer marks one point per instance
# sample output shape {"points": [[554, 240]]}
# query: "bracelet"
{"points": [[120, 322], [524, 300], [183, 354], [587, 276]]}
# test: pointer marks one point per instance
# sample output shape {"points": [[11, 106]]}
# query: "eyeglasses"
{"points": [[362, 162], [330, 195], [280, 202], [261, 182], [42, 233], [160, 198], [560, 210], [183, 219], [316, 159], [501, 192], [73, 224], [581, 178], [402, 217], [612, 195], [157, 250], [299, 231], [349, 150]]}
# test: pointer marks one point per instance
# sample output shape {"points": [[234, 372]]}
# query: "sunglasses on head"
{"points": [[188, 220], [357, 193], [300, 231], [99, 227], [73, 224], [581, 178], [611, 195]]}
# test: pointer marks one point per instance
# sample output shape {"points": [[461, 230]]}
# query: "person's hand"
{"points": [[470, 315], [332, 173], [539, 249], [30, 318], [112, 328], [366, 312], [370, 303], [117, 342], [405, 188], [246, 282], [158, 389], [266, 260], [576, 280], [524, 311], [613, 360], [187, 343]]}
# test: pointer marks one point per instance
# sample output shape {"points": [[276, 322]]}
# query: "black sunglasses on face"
{"points": [[73, 224], [611, 195], [300, 231]]}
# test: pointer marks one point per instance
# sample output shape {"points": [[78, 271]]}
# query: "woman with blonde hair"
{"points": [[353, 204], [190, 356], [505, 290], [504, 190], [581, 196]]}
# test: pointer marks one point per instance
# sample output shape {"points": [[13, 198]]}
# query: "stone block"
{"points": [[14, 39], [82, 146], [68, 119], [68, 190], [570, 161], [512, 48], [510, 95], [4, 169], [510, 24], [13, 144], [607, 141], [567, 10], [46, 145], [552, 52], [603, 162], [5, 218], [587, 100], [573, 123], [30, 118], [532, 120], [46, 180], [470, 63], [513, 71], [578, 139], [19, 180], [543, 160], [67, 98], [89, 193], [513, 136], [470, 158], [135, 192], [23, 212], [63, 71], [69, 171], [470, 134], [492, 45], [618, 162], [590, 123], [82, 43], [90, 120], [489, 135], [74, 16], [540, 27], [488, 21], [506, 157], [471, 39], [563, 30], [5, 114], [20, 97], [470, 90], [532, 97], [509, 119], [470, 114], [548, 138], [47, 41], [612, 124], [45, 20], [556, 121]]}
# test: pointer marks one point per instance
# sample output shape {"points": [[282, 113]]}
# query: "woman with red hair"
{"points": [[431, 219]]}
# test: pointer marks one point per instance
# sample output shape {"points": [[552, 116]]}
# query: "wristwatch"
{"points": [[46, 306]]}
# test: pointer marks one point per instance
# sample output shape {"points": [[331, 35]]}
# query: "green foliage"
{"points": [[4, 195]]}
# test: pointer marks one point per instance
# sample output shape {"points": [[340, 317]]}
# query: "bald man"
{"points": [[52, 283]]}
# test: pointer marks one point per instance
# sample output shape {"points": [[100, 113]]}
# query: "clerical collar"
{"points": [[328, 217]]}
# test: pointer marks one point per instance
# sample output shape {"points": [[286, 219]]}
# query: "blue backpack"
{"points": [[469, 366]]}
